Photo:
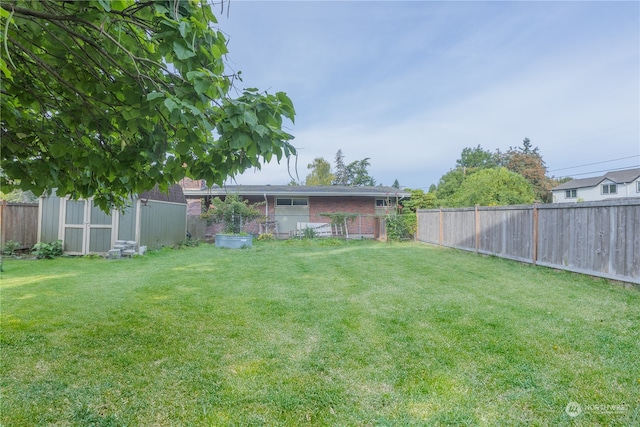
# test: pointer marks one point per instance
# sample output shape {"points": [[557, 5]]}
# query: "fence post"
{"points": [[477, 224], [440, 228], [534, 249], [3, 226]]}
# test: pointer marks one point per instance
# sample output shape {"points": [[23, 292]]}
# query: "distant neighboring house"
{"points": [[288, 206], [612, 185]]}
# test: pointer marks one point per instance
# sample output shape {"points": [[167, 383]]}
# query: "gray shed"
{"points": [[153, 219]]}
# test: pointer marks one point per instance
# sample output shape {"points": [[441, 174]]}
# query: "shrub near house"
{"points": [[232, 212]]}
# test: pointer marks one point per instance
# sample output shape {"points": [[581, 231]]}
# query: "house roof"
{"points": [[619, 177], [623, 176], [298, 190], [174, 195]]}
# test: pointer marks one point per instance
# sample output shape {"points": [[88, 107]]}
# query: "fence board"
{"points": [[628, 254], [597, 238], [19, 223], [506, 232], [459, 229]]}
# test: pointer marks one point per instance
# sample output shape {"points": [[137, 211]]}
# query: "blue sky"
{"points": [[410, 84]]}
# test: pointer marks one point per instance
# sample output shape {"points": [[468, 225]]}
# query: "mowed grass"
{"points": [[314, 333]]}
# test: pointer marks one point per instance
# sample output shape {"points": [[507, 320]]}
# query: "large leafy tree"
{"points": [[108, 98], [477, 158], [493, 187], [449, 184], [420, 200], [320, 172], [471, 161]]}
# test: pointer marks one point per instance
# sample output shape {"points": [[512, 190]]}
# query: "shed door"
{"points": [[85, 228]]}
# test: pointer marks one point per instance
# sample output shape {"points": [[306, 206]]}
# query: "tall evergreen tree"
{"points": [[340, 176], [358, 174]]}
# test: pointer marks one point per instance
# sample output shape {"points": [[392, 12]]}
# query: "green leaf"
{"points": [[193, 75], [239, 140], [201, 86], [184, 28], [120, 5], [287, 106], [161, 10], [58, 150], [106, 5], [182, 148], [154, 95], [215, 51], [175, 116], [260, 130], [171, 104], [182, 51], [131, 96], [235, 120], [250, 118], [3, 67], [194, 110]]}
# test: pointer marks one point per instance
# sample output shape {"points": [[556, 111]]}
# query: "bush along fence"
{"points": [[596, 238]]}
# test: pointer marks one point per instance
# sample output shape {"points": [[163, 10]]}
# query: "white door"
{"points": [[85, 228]]}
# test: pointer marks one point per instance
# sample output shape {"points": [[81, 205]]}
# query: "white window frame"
{"points": [[571, 193], [606, 188], [293, 201], [383, 203], [637, 186]]}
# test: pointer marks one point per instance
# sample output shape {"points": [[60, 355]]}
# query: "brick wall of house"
{"points": [[365, 206], [194, 207], [364, 225]]}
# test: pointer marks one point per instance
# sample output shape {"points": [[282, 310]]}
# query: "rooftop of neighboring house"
{"points": [[296, 190], [624, 176], [174, 195]]}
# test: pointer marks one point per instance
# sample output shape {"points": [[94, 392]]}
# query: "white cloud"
{"points": [[411, 85]]}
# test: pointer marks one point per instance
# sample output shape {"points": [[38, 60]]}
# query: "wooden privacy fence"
{"points": [[19, 223], [596, 238]]}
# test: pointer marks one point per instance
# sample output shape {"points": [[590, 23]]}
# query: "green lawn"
{"points": [[314, 333]]}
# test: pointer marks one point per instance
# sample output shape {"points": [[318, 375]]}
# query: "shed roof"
{"points": [[298, 190], [174, 195], [619, 177]]}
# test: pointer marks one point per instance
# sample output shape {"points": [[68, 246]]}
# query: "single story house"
{"points": [[612, 185], [287, 208], [152, 219]]}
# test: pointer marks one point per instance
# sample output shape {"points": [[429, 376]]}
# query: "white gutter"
{"points": [[355, 193], [266, 206]]}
